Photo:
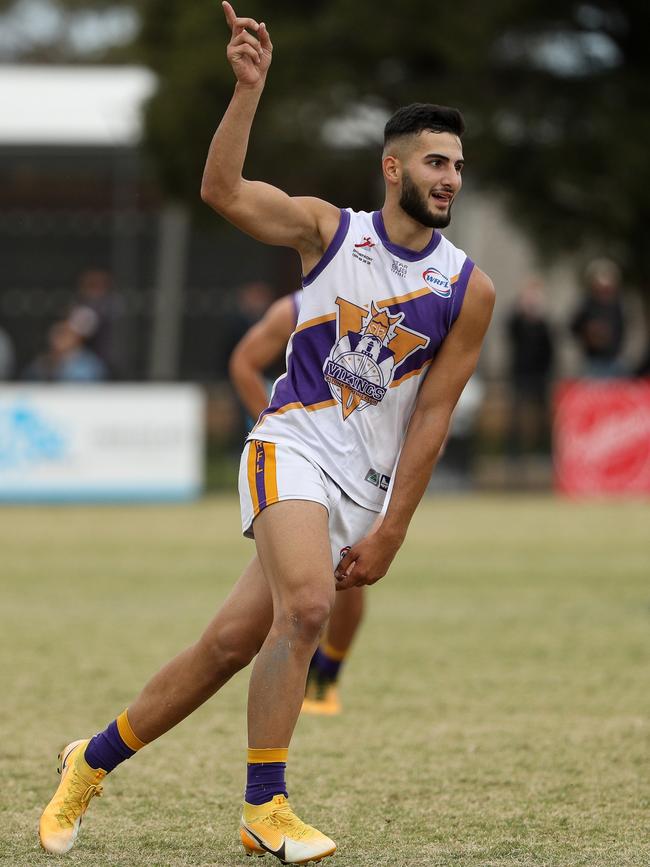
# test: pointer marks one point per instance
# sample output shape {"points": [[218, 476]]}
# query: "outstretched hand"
{"points": [[249, 56], [366, 562]]}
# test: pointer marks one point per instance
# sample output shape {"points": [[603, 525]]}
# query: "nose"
{"points": [[453, 180]]}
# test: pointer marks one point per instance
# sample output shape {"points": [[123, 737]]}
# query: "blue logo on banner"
{"points": [[26, 437]]}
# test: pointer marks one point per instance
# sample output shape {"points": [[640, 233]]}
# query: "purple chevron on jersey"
{"points": [[303, 382]]}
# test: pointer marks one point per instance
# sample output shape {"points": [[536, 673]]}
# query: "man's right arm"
{"points": [[261, 210]]}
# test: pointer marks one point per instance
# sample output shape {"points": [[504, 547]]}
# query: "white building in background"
{"points": [[73, 105]]}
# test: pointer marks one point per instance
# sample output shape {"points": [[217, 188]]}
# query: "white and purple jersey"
{"points": [[372, 319], [296, 299]]}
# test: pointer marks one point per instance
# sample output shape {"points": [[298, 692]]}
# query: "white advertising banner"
{"points": [[71, 443]]}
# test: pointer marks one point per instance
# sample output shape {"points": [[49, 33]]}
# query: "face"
{"points": [[431, 177]]}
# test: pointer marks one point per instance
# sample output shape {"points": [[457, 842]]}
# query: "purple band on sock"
{"points": [[264, 781], [107, 749], [325, 666]]}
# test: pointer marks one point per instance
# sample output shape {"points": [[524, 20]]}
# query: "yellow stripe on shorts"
{"points": [[270, 474]]}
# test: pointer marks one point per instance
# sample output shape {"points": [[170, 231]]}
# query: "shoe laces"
{"points": [[80, 793], [285, 819]]}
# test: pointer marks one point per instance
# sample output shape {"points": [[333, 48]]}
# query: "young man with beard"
{"points": [[390, 330]]}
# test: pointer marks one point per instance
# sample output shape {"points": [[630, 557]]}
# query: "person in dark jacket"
{"points": [[598, 324]]}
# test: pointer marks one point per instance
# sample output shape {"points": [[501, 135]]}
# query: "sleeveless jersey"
{"points": [[372, 318], [296, 299]]}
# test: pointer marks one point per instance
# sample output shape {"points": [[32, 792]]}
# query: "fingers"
{"points": [[245, 39], [346, 583], [344, 564], [264, 38], [238, 24], [237, 52], [353, 571], [349, 572]]}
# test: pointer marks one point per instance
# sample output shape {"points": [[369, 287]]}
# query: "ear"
{"points": [[392, 168]]}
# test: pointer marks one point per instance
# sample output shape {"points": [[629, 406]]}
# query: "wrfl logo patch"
{"points": [[437, 282]]}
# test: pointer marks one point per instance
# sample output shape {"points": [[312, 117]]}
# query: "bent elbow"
{"points": [[209, 196], [238, 369], [220, 198]]}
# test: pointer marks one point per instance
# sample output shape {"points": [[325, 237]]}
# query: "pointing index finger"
{"points": [[238, 24], [229, 12]]}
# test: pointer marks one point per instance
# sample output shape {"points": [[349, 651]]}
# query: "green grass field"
{"points": [[496, 705]]}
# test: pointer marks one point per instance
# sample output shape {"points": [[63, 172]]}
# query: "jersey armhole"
{"points": [[460, 287], [332, 249], [296, 299]]}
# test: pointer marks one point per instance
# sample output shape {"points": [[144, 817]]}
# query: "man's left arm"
{"points": [[369, 560]]}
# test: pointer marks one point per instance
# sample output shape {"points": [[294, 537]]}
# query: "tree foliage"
{"points": [[555, 94]]}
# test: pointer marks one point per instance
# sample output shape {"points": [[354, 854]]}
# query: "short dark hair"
{"points": [[419, 116]]}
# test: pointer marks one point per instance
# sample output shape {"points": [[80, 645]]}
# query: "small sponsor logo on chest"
{"points": [[399, 268], [361, 250]]}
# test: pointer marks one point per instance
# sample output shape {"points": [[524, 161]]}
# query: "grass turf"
{"points": [[496, 702]]}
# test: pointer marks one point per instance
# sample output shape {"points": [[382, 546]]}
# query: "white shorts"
{"points": [[270, 472]]}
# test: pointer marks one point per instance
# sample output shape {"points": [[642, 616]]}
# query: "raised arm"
{"points": [[259, 209], [262, 344], [369, 560]]}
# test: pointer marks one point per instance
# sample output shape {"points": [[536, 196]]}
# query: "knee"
{"points": [[305, 616], [226, 652]]}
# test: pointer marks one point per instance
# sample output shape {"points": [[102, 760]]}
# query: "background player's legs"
{"points": [[321, 694], [293, 545], [346, 618], [230, 641]]}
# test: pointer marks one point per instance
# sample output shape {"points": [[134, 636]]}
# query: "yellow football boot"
{"points": [[321, 697], [62, 817], [275, 828]]}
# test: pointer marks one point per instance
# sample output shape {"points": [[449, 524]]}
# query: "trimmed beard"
{"points": [[413, 203]]}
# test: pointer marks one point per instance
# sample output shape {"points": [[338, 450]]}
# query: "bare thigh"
{"points": [[293, 545]]}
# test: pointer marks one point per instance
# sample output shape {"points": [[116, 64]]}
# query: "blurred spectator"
{"points": [[6, 355], [598, 324], [531, 362], [97, 315], [66, 359]]}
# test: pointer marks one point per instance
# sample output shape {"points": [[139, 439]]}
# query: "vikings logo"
{"points": [[371, 344]]}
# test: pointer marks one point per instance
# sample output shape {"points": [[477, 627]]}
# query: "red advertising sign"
{"points": [[601, 437]]}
